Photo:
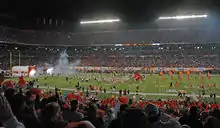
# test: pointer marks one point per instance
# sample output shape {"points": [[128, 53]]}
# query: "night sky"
{"points": [[30, 13]]}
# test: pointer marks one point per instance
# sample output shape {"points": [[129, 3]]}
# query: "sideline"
{"points": [[133, 93]]}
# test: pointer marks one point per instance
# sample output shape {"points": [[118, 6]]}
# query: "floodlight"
{"points": [[156, 44], [100, 21], [118, 44], [183, 17]]}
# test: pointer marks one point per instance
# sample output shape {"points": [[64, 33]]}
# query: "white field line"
{"points": [[140, 93]]}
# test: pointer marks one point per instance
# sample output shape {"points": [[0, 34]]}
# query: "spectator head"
{"points": [[216, 113], [52, 99], [133, 118], [51, 111], [43, 103], [193, 111], [123, 107], [152, 113], [74, 105], [92, 110], [18, 103], [9, 93], [28, 94]]}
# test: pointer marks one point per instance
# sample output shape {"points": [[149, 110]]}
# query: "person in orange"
{"points": [[180, 75], [170, 73], [188, 77], [209, 85], [202, 77], [188, 73], [181, 78], [162, 78], [176, 84], [214, 85], [161, 73], [202, 86]]}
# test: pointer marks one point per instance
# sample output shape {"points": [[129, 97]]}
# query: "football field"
{"points": [[151, 83]]}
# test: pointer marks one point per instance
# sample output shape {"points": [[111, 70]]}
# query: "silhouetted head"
{"points": [[92, 110], [133, 118], [51, 112], [74, 105], [193, 111]]}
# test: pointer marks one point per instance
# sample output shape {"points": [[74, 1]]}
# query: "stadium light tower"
{"points": [[100, 21], [183, 17]]}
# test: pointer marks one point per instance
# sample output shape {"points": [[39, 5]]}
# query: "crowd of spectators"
{"points": [[169, 35], [27, 109], [169, 55]]}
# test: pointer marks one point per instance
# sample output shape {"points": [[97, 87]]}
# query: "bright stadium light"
{"points": [[100, 21], [118, 44], [32, 73], [156, 44], [183, 17]]}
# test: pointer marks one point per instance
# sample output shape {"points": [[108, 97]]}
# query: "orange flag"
{"points": [[124, 100]]}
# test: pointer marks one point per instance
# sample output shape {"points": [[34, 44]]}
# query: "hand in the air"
{"points": [[5, 109]]}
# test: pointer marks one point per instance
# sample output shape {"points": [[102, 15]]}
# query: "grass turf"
{"points": [[150, 84]]}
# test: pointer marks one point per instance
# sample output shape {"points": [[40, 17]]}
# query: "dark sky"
{"points": [[27, 11]]}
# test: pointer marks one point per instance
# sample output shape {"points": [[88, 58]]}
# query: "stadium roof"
{"points": [[66, 14]]}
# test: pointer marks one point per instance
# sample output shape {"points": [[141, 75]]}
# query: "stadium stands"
{"points": [[167, 35], [168, 55]]}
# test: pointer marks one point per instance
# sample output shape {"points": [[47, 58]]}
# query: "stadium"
{"points": [[56, 65], [162, 56]]}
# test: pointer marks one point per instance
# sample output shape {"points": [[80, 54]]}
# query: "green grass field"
{"points": [[150, 84]]}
